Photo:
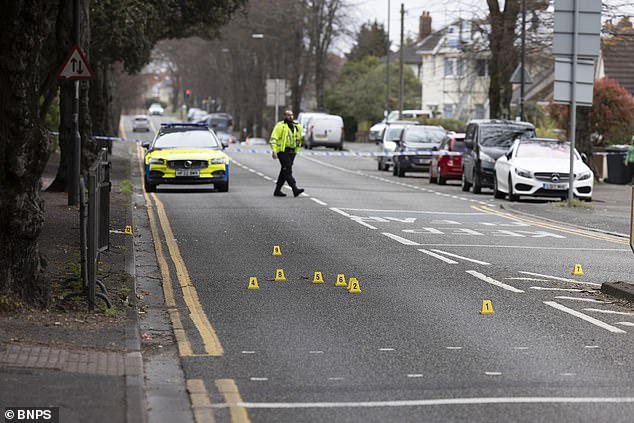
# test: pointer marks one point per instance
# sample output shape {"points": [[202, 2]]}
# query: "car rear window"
{"points": [[190, 139], [422, 135], [503, 135], [459, 145]]}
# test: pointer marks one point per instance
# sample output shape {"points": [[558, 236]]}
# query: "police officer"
{"points": [[285, 141]]}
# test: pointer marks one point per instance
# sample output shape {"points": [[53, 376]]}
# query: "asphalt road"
{"points": [[412, 346]]}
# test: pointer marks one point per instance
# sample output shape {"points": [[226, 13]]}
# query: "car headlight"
{"points": [[486, 158], [219, 160], [523, 173], [153, 160], [584, 175]]}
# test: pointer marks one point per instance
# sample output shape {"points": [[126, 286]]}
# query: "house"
{"points": [[454, 73], [616, 60]]}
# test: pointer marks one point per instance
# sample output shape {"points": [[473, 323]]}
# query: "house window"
{"points": [[482, 67], [448, 110], [479, 111], [454, 67]]}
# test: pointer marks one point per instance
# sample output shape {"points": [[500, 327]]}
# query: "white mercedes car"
{"points": [[540, 168]]}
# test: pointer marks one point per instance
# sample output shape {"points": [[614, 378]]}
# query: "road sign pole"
{"points": [[573, 103]]}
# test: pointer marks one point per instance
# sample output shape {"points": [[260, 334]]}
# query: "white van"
{"points": [[376, 131], [326, 130]]}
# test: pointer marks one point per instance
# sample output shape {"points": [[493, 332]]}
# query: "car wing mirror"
{"points": [[145, 145], [584, 158]]}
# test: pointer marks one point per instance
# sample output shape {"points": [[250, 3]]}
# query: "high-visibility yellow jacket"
{"points": [[629, 158], [282, 137]]}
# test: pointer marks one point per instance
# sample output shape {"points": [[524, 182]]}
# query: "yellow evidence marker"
{"points": [[318, 278], [487, 308], [279, 275], [354, 287], [577, 270], [341, 280], [128, 230], [277, 251], [253, 283]]}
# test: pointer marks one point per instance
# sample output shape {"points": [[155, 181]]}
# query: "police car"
{"points": [[185, 153]]}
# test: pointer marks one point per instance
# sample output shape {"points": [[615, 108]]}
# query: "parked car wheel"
{"points": [[496, 192], [399, 171], [222, 187], [394, 169], [512, 197], [465, 185], [148, 187], [440, 178], [432, 178], [477, 186]]}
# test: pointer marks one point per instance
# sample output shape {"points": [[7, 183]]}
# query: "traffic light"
{"points": [[188, 94]]}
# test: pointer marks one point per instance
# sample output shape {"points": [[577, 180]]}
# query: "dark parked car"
{"points": [[486, 141], [446, 164], [418, 142]]}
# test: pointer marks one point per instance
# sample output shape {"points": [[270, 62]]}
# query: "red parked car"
{"points": [[445, 166]]}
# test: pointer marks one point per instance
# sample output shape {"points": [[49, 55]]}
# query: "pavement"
{"points": [[123, 365]]}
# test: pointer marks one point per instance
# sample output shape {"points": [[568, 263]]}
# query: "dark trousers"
{"points": [[286, 158]]}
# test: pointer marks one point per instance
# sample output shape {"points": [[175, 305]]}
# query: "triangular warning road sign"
{"points": [[75, 67]]}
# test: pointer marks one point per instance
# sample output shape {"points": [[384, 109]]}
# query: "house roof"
{"points": [[618, 58], [410, 56], [430, 42]]}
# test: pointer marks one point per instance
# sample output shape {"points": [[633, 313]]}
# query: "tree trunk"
{"points": [[24, 150]]}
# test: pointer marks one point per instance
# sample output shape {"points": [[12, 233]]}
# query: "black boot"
{"points": [[278, 192], [297, 191]]}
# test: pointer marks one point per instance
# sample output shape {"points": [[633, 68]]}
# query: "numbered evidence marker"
{"points": [[277, 251], [341, 280], [318, 278], [279, 275], [487, 308], [353, 286], [577, 270], [128, 230], [253, 283]]}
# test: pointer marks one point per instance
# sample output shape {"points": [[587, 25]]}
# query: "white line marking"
{"points": [[541, 288], [527, 247], [591, 346], [415, 212], [336, 210], [520, 348], [620, 313], [386, 349], [567, 374], [560, 279], [361, 222], [259, 379], [432, 402], [268, 178], [587, 300], [438, 256], [461, 257], [318, 201], [414, 375], [527, 279], [248, 352], [399, 239], [454, 348], [335, 378], [315, 352], [494, 282], [585, 317], [630, 324], [493, 373]]}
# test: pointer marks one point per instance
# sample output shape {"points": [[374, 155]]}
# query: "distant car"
{"points": [[141, 123], [190, 113], [185, 153], [446, 164], [541, 168], [418, 142], [198, 116], [254, 141], [303, 119], [486, 140], [156, 109], [375, 134], [391, 136], [324, 130]]}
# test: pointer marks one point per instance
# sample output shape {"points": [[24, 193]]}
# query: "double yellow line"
{"points": [[553, 226]]}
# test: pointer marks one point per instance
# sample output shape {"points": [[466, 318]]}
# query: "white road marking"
{"points": [[567, 374], [461, 257], [493, 373], [591, 347], [541, 288], [630, 324], [248, 352], [259, 379], [527, 247], [415, 375], [494, 282], [336, 210], [335, 378], [454, 348], [585, 317], [620, 313], [318, 201], [315, 352], [386, 349], [560, 279], [438, 256], [416, 212], [268, 178], [431, 402], [399, 239], [587, 300], [360, 221], [520, 348], [527, 279]]}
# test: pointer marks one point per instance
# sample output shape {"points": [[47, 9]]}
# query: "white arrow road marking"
{"points": [[461, 257], [399, 239], [631, 324], [494, 282], [585, 317], [560, 279]]}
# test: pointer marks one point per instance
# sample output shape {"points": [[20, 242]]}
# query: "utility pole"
{"points": [[401, 82], [387, 68], [75, 151], [523, 60]]}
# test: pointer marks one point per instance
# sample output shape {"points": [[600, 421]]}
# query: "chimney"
{"points": [[424, 26]]}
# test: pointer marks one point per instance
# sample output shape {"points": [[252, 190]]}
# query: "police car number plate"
{"points": [[187, 172]]}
